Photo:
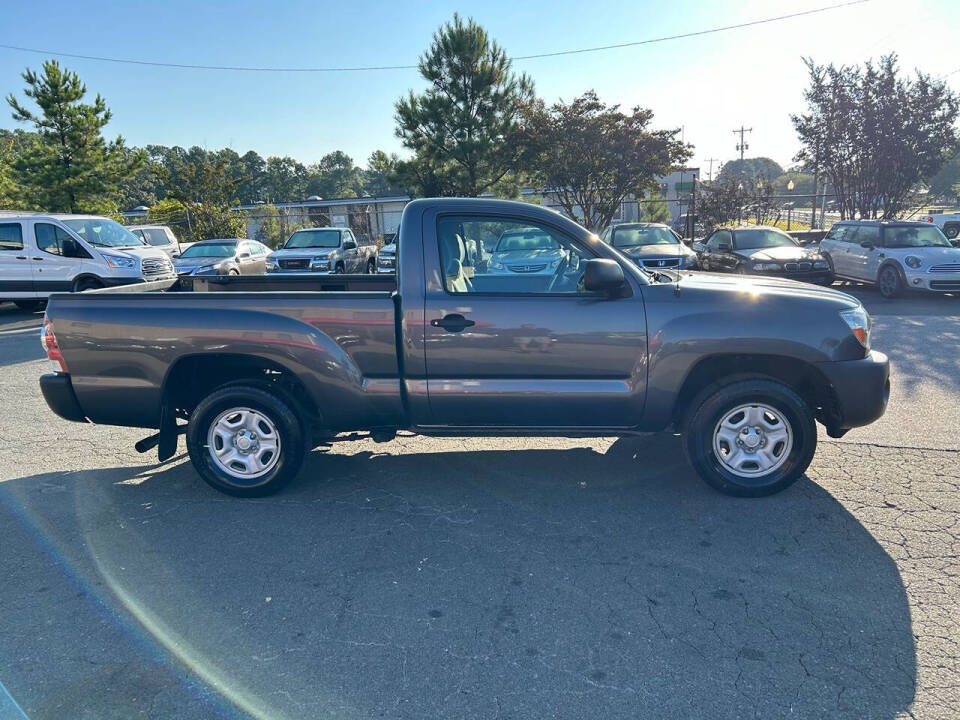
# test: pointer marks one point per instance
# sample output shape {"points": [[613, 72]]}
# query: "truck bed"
{"points": [[339, 331]]}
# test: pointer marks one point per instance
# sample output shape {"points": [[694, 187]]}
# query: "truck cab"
{"points": [[323, 250]]}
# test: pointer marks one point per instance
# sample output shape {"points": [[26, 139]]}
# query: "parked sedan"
{"points": [[530, 251], [763, 251], [223, 257], [651, 245]]}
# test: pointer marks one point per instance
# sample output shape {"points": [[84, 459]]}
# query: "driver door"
{"points": [[526, 347]]}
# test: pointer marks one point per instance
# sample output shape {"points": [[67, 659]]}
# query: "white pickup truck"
{"points": [[42, 253], [948, 222]]}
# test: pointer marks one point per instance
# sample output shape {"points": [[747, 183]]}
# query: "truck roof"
{"points": [[10, 214]]}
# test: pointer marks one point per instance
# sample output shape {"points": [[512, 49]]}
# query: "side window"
{"points": [[720, 237], [868, 233], [348, 237], [840, 233], [155, 237], [56, 241], [489, 254], [11, 237]]}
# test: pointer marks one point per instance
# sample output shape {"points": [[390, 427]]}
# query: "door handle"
{"points": [[452, 323], [21, 257]]}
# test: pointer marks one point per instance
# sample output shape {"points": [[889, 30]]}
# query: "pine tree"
{"points": [[466, 129], [71, 168]]}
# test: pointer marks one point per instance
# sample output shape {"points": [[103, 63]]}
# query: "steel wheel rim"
{"points": [[244, 444], [752, 440]]}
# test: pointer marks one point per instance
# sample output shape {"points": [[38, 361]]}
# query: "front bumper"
{"points": [[861, 389], [932, 282], [58, 392], [298, 271]]}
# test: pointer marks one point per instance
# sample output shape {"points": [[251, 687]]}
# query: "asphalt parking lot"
{"points": [[506, 578]]}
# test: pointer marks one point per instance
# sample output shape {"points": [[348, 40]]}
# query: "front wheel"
{"points": [[245, 441], [750, 438], [87, 283], [890, 282], [371, 267], [338, 269], [951, 231]]}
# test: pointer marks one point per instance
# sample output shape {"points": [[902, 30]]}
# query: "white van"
{"points": [[41, 254]]}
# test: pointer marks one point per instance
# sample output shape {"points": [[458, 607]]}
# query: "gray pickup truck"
{"points": [[258, 370]]}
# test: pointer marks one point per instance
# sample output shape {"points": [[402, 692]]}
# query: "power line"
{"points": [[374, 68]]}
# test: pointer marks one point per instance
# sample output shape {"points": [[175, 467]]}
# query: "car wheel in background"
{"points": [[245, 441], [371, 267], [750, 438], [86, 283], [233, 272], [890, 282], [31, 305], [951, 230], [338, 269]]}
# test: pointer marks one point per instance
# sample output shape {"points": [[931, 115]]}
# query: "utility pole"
{"points": [[742, 146], [816, 186], [711, 161]]}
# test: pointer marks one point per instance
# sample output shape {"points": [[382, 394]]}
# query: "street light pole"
{"points": [[790, 187]]}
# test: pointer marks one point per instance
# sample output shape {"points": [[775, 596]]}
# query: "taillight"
{"points": [[929, 219], [49, 342]]}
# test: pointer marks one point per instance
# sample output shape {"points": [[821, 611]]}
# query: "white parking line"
{"points": [[19, 331]]}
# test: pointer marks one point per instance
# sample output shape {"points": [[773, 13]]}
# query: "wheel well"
{"points": [[718, 370], [88, 276], [194, 377], [890, 262]]}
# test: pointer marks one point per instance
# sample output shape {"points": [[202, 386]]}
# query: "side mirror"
{"points": [[867, 244], [687, 241], [723, 247], [602, 275], [349, 245], [175, 255]]}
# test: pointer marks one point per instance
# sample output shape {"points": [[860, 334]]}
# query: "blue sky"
{"points": [[708, 85]]}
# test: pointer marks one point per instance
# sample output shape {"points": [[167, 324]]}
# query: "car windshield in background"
{"points": [[634, 237], [313, 239], [914, 236], [759, 238], [102, 232], [155, 237], [211, 250], [526, 241]]}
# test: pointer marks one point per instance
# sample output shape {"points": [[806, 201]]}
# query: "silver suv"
{"points": [[894, 255]]}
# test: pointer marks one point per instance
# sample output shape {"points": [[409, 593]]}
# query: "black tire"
{"points": [[338, 269], [371, 267], [288, 427], [710, 407], [890, 282], [951, 230], [233, 273], [86, 283], [30, 305]]}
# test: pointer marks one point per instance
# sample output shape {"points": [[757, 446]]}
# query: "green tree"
{"points": [[655, 209], [944, 181], [335, 176], [591, 156], [875, 133], [466, 129], [72, 168], [380, 175], [208, 195], [750, 170]]}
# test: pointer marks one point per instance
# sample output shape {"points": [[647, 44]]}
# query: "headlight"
{"points": [[319, 263], [821, 265], [765, 266], [117, 261], [859, 323], [271, 263], [688, 261], [913, 261]]}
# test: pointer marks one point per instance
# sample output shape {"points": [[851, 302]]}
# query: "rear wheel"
{"points": [[246, 442], [951, 230], [890, 282], [338, 269], [750, 438], [371, 267]]}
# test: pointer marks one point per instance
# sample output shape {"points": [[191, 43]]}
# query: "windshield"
{"points": [[914, 236], [102, 232], [762, 238], [313, 239], [211, 250], [635, 236], [526, 240]]}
